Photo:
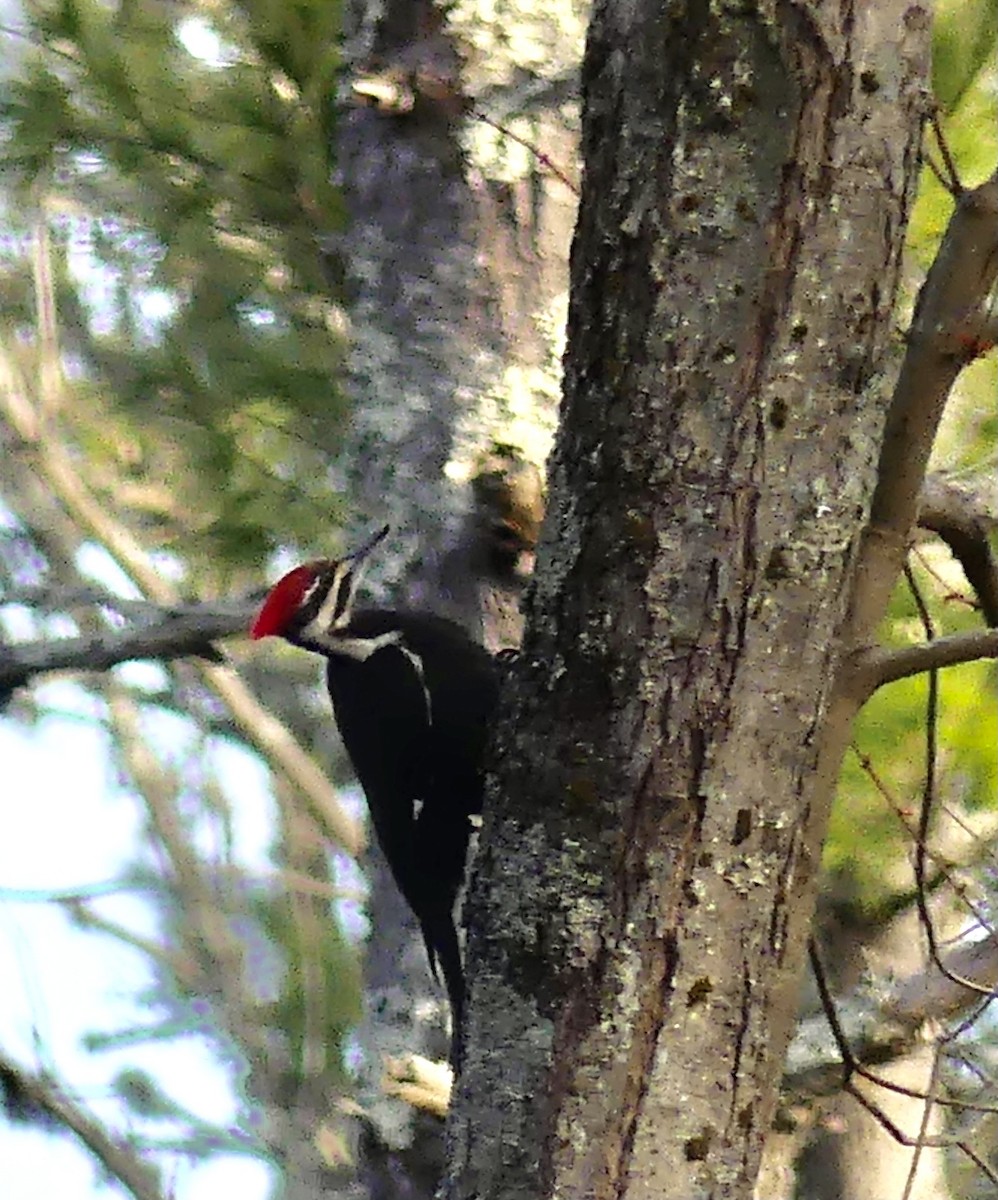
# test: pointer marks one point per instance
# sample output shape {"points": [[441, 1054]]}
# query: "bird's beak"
{"points": [[358, 556]]}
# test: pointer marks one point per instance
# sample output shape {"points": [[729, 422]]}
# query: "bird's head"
{"points": [[311, 603]]}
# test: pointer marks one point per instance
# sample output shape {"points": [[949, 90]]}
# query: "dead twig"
{"points": [[116, 1157], [852, 1069]]}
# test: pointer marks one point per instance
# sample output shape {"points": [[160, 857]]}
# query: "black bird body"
{"points": [[413, 715], [413, 696]]}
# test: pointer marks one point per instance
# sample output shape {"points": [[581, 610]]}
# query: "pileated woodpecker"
{"points": [[413, 696]]}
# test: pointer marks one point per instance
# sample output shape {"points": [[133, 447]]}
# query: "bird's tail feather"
{"points": [[443, 949]]}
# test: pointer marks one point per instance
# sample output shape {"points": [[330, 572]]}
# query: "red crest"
{"points": [[283, 600]]}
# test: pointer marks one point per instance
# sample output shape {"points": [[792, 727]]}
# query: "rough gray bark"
{"points": [[675, 727], [456, 261]]}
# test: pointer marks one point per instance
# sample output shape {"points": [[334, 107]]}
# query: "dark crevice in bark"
{"points": [[740, 1035], [654, 997], [698, 548]]}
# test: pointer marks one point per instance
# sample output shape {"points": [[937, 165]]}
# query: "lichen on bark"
{"points": [[663, 769]]}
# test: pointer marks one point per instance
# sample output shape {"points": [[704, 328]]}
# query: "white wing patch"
{"points": [[417, 666], [360, 649]]}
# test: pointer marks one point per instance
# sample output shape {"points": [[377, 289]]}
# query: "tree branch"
{"points": [[175, 633], [882, 1028], [117, 1158], [270, 736], [963, 523], [877, 667], [950, 305]]}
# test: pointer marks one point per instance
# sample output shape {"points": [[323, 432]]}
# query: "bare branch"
{"points": [[950, 306], [951, 180], [542, 158], [174, 633], [116, 1157], [929, 794], [945, 872], [880, 1027], [963, 523], [851, 1069], [283, 879], [180, 966], [270, 736], [936, 996], [923, 1135], [883, 666]]}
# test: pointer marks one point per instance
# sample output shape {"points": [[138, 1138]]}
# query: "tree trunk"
{"points": [[457, 260], [675, 724]]}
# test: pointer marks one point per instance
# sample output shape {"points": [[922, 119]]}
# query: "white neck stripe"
{"points": [[359, 649]]}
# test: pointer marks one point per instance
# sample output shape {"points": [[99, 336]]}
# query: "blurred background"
{"points": [[275, 273]]}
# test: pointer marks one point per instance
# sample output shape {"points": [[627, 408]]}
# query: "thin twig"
{"points": [[284, 878], [539, 154], [173, 961], [270, 736], [852, 1067], [936, 170], [952, 181], [899, 1089], [116, 1157], [829, 1009], [944, 873], [947, 593], [923, 1128], [928, 793], [881, 666]]}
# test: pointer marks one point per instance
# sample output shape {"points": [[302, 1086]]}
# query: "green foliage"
{"points": [[190, 199], [965, 35], [870, 838], [318, 1003], [172, 210]]}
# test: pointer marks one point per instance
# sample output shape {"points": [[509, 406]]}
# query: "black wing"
{"points": [[382, 717], [414, 717]]}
